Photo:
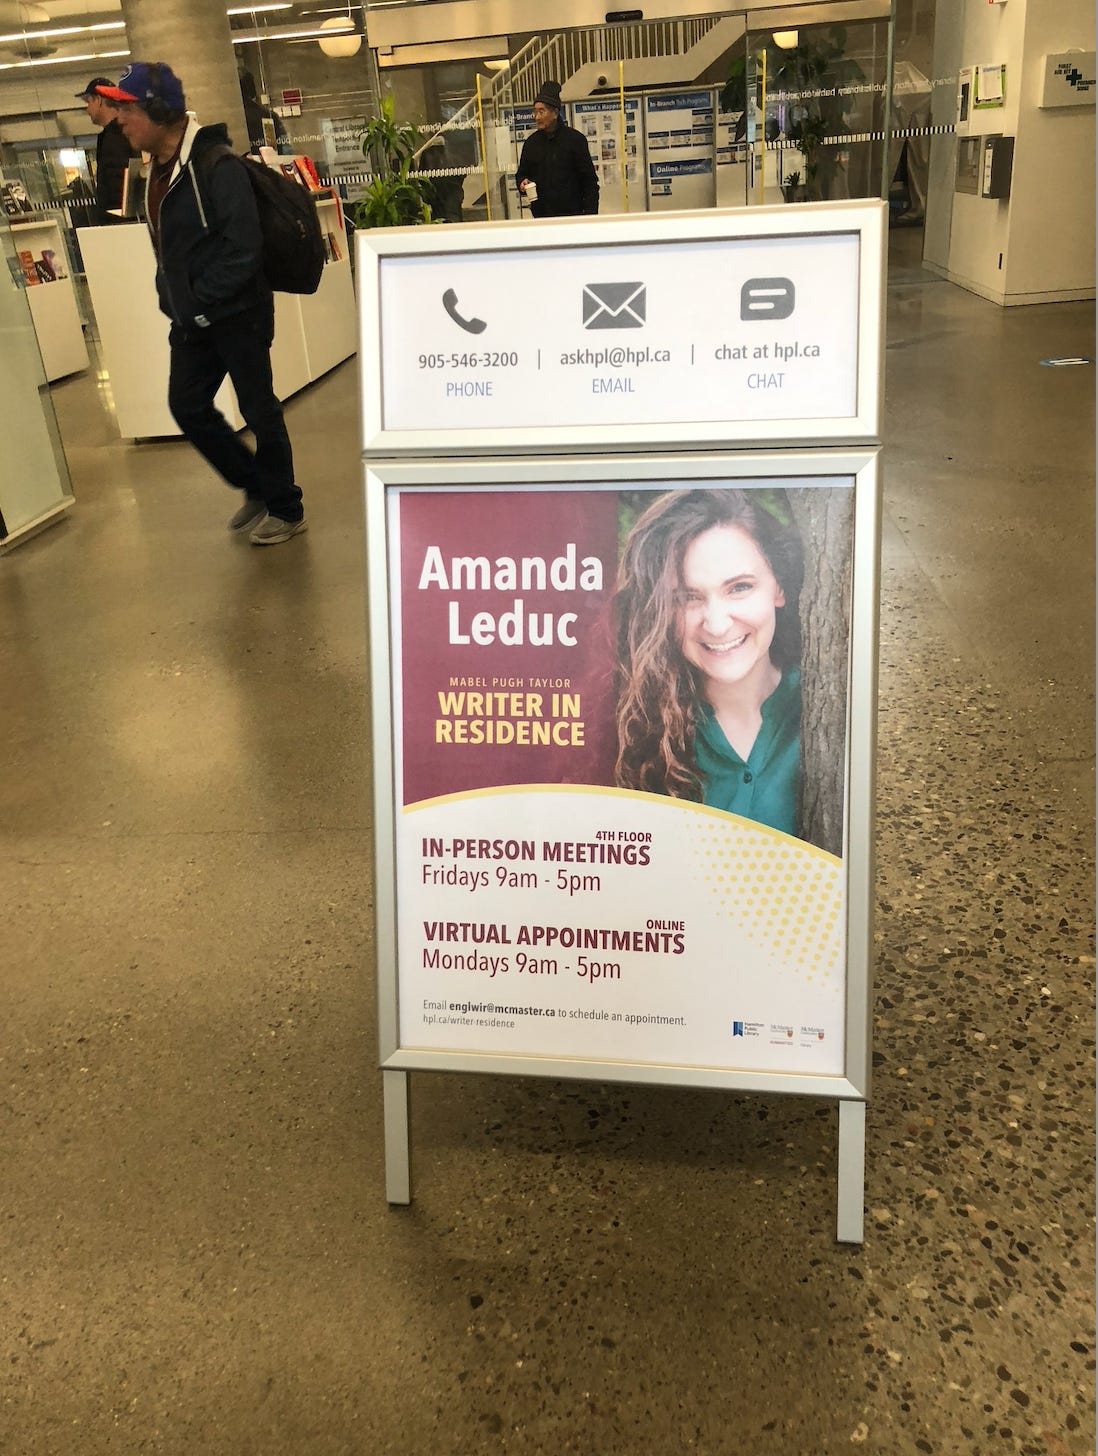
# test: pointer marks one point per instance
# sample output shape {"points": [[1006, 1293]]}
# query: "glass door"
{"points": [[823, 104]]}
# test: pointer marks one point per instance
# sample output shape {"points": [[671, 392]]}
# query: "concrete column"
{"points": [[193, 37]]}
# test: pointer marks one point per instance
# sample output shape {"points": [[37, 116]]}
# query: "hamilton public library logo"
{"points": [[753, 1028]]}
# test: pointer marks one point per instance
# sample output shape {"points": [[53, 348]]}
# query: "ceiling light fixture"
{"points": [[55, 30], [257, 9], [786, 40], [340, 46], [247, 37], [62, 60]]}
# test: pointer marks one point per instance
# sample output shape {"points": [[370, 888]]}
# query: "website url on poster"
{"points": [[473, 1009], [467, 1008]]}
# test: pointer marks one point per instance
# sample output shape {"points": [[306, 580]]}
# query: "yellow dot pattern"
{"points": [[783, 895]]}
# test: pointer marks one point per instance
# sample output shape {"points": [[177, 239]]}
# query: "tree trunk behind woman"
{"points": [[824, 518]]}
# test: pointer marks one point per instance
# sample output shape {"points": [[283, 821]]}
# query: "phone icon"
{"points": [[450, 304]]}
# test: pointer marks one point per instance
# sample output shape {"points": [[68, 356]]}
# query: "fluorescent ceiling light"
{"points": [[61, 30], [255, 9], [62, 60], [247, 37]]}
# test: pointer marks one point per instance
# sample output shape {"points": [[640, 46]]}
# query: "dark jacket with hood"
{"points": [[209, 247], [559, 161]]}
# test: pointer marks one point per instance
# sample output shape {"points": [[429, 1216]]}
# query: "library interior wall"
{"points": [[981, 226], [1052, 189], [1052, 223]]}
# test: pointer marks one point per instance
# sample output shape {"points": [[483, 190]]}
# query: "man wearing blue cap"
{"points": [[202, 216]]}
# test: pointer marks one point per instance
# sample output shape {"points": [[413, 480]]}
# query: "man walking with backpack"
{"points": [[202, 215]]}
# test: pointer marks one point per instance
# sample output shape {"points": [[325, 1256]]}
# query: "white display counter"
{"points": [[312, 333], [53, 302]]}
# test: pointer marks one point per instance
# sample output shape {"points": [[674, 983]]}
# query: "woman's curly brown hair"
{"points": [[658, 704]]}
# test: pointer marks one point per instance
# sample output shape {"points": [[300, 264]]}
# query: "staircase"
{"points": [[585, 62], [566, 56], [662, 52]]}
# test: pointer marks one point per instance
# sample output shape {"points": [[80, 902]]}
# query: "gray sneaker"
{"points": [[249, 514], [272, 529]]}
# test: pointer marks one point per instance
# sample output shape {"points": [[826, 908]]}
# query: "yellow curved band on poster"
{"points": [[634, 796]]}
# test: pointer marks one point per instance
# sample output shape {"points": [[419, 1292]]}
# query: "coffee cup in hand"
{"points": [[531, 192]]}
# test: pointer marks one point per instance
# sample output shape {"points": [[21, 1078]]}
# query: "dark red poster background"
{"points": [[515, 524]]}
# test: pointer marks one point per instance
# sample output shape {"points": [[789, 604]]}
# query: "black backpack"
{"points": [[293, 243]]}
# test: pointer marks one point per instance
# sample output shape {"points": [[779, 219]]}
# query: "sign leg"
{"points": [[398, 1153], [851, 1228]]}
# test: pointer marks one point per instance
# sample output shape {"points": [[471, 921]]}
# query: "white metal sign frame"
{"points": [[413, 309], [851, 1088]]}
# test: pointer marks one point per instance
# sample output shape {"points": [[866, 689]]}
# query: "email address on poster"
{"points": [[617, 358]]}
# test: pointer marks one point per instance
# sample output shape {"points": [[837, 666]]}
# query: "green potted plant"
{"points": [[395, 196], [792, 190], [815, 70]]}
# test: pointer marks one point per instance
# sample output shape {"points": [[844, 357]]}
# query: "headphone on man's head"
{"points": [[156, 108]]}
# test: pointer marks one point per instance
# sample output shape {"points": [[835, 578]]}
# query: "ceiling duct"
{"points": [[30, 49], [12, 12]]}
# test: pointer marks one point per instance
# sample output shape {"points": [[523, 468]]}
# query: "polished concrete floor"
{"points": [[197, 1257]]}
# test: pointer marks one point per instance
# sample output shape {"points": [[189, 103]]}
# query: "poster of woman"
{"points": [[621, 754]]}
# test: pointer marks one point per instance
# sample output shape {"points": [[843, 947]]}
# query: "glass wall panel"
{"points": [[34, 486], [825, 106], [673, 108], [701, 111]]}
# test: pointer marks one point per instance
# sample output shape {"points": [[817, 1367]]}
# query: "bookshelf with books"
{"points": [[329, 317], [43, 262]]}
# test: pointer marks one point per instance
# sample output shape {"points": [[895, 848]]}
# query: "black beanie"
{"points": [[549, 95]]}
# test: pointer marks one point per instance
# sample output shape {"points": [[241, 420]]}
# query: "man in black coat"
{"points": [[555, 173], [112, 151], [205, 229]]}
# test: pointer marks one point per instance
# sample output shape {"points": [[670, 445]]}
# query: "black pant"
{"points": [[239, 346]]}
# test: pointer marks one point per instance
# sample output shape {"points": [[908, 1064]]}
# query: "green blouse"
{"points": [[766, 787]]}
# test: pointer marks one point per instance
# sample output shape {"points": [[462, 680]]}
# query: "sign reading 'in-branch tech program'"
{"points": [[600, 843]]}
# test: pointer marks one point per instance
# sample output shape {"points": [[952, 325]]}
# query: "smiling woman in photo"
{"points": [[709, 655]]}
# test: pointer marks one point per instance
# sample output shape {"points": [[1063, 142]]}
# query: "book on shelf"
{"points": [[13, 196], [335, 251], [30, 272], [43, 271], [289, 170], [309, 174], [55, 263], [133, 188]]}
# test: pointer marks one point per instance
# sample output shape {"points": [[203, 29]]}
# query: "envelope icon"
{"points": [[614, 305]]}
